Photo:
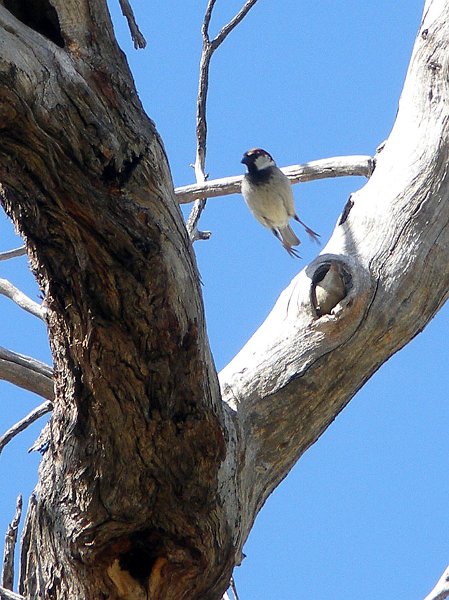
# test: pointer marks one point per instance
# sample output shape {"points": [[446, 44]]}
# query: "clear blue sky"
{"points": [[364, 513]]}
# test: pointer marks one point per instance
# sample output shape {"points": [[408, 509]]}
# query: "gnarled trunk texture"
{"points": [[151, 483], [136, 438]]}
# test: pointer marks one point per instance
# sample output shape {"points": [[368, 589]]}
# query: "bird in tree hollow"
{"points": [[268, 194]]}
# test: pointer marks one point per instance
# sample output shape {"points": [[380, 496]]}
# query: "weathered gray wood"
{"points": [[441, 589], [21, 299], [298, 371], [21, 425], [337, 166], [8, 254], [27, 373], [150, 484], [8, 595], [7, 579]]}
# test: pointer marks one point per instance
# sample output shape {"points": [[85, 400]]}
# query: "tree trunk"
{"points": [[151, 483]]}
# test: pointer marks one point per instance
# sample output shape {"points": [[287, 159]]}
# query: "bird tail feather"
{"points": [[288, 236]]}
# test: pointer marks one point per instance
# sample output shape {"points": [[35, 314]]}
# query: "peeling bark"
{"points": [[151, 483]]}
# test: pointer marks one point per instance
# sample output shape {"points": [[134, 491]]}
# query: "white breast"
{"points": [[272, 202]]}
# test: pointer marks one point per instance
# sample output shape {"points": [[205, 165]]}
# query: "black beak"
{"points": [[245, 159]]}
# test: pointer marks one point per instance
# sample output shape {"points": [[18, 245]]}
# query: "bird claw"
{"points": [[292, 252]]}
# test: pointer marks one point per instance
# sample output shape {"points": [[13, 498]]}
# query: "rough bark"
{"points": [[150, 483], [128, 484]]}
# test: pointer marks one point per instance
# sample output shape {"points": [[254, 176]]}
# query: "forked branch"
{"points": [[226, 30], [209, 47]]}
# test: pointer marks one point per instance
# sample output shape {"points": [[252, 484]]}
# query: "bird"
{"points": [[329, 290], [268, 194]]}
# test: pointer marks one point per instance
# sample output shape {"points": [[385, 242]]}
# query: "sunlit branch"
{"points": [[27, 373], [13, 253], [339, 166], [8, 595], [21, 299], [18, 427], [226, 30]]}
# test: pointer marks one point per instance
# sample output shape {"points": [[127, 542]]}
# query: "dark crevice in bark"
{"points": [[346, 210], [39, 15], [120, 177], [146, 548]]}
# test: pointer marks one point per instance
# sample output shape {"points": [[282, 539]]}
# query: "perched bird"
{"points": [[268, 194], [329, 290]]}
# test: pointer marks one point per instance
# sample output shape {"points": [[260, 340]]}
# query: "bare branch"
{"points": [[338, 166], [10, 545], [8, 595], [26, 361], [226, 30], [234, 589], [13, 253], [441, 590], [201, 133], [136, 34], [209, 48], [207, 18], [192, 222], [21, 299], [27, 373], [21, 425]]}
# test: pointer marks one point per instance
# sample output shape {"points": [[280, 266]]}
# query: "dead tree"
{"points": [[155, 468]]}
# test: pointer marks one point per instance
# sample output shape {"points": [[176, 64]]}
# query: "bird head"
{"points": [[257, 159]]}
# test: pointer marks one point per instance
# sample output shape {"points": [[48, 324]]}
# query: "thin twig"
{"points": [[10, 545], [21, 299], [226, 30], [27, 373], [339, 166], [234, 589], [136, 34], [209, 48], [207, 18], [441, 590], [34, 415], [8, 595], [13, 253]]}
